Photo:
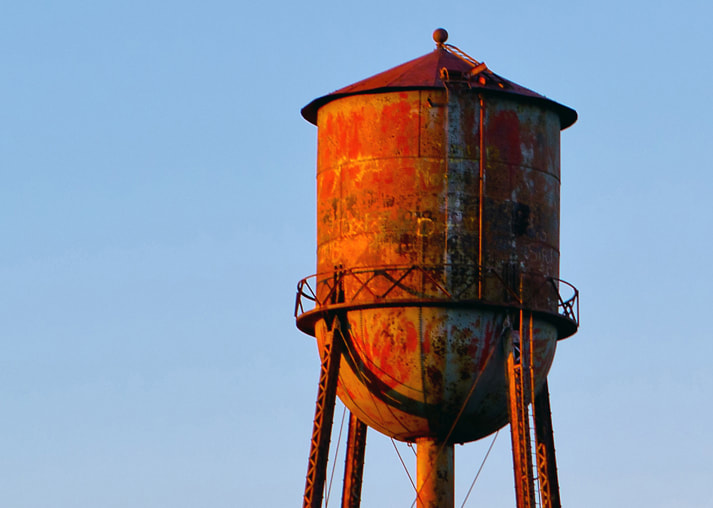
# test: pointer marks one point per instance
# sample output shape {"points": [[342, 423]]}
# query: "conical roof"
{"points": [[429, 71]]}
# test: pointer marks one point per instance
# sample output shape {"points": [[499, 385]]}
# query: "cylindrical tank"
{"points": [[437, 223]]}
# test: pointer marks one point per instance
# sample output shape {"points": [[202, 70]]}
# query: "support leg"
{"points": [[323, 418], [354, 463], [546, 463], [518, 390]]}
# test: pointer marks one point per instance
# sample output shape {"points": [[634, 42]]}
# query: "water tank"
{"points": [[437, 224]]}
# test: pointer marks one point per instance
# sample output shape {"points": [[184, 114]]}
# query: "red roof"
{"points": [[425, 72]]}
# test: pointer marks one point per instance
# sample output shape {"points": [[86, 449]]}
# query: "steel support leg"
{"points": [[354, 463], [323, 417], [518, 389], [546, 463]]}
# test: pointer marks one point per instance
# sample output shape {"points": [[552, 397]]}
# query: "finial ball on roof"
{"points": [[440, 36]]}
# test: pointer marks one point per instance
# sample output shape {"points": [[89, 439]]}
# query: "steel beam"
{"points": [[518, 391], [323, 417], [354, 463], [546, 463]]}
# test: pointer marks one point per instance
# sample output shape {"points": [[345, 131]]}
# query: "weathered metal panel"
{"points": [[389, 196]]}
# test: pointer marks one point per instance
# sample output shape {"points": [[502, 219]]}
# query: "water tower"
{"points": [[437, 303]]}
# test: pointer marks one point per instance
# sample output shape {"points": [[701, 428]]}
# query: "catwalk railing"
{"points": [[438, 285]]}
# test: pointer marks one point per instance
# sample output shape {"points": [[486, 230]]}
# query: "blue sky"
{"points": [[157, 208]]}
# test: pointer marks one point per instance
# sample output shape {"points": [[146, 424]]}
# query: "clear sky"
{"points": [[157, 207]]}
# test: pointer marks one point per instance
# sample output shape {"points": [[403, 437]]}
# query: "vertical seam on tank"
{"points": [[341, 203], [421, 126], [422, 356], [420, 120], [481, 191], [446, 148]]}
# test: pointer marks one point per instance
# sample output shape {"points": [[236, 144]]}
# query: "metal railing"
{"points": [[390, 285]]}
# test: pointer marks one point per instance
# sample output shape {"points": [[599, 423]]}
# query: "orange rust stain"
{"points": [[399, 120], [412, 338], [394, 350]]}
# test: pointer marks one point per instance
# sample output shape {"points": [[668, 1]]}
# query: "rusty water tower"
{"points": [[437, 303]]}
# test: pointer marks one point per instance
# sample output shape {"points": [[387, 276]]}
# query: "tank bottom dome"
{"points": [[408, 371]]}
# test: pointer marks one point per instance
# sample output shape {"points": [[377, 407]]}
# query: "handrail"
{"points": [[390, 285]]}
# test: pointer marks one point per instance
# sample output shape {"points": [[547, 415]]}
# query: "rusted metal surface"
{"points": [[546, 461], [389, 196], [410, 371], [435, 474], [354, 463], [520, 366], [330, 352], [425, 73]]}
